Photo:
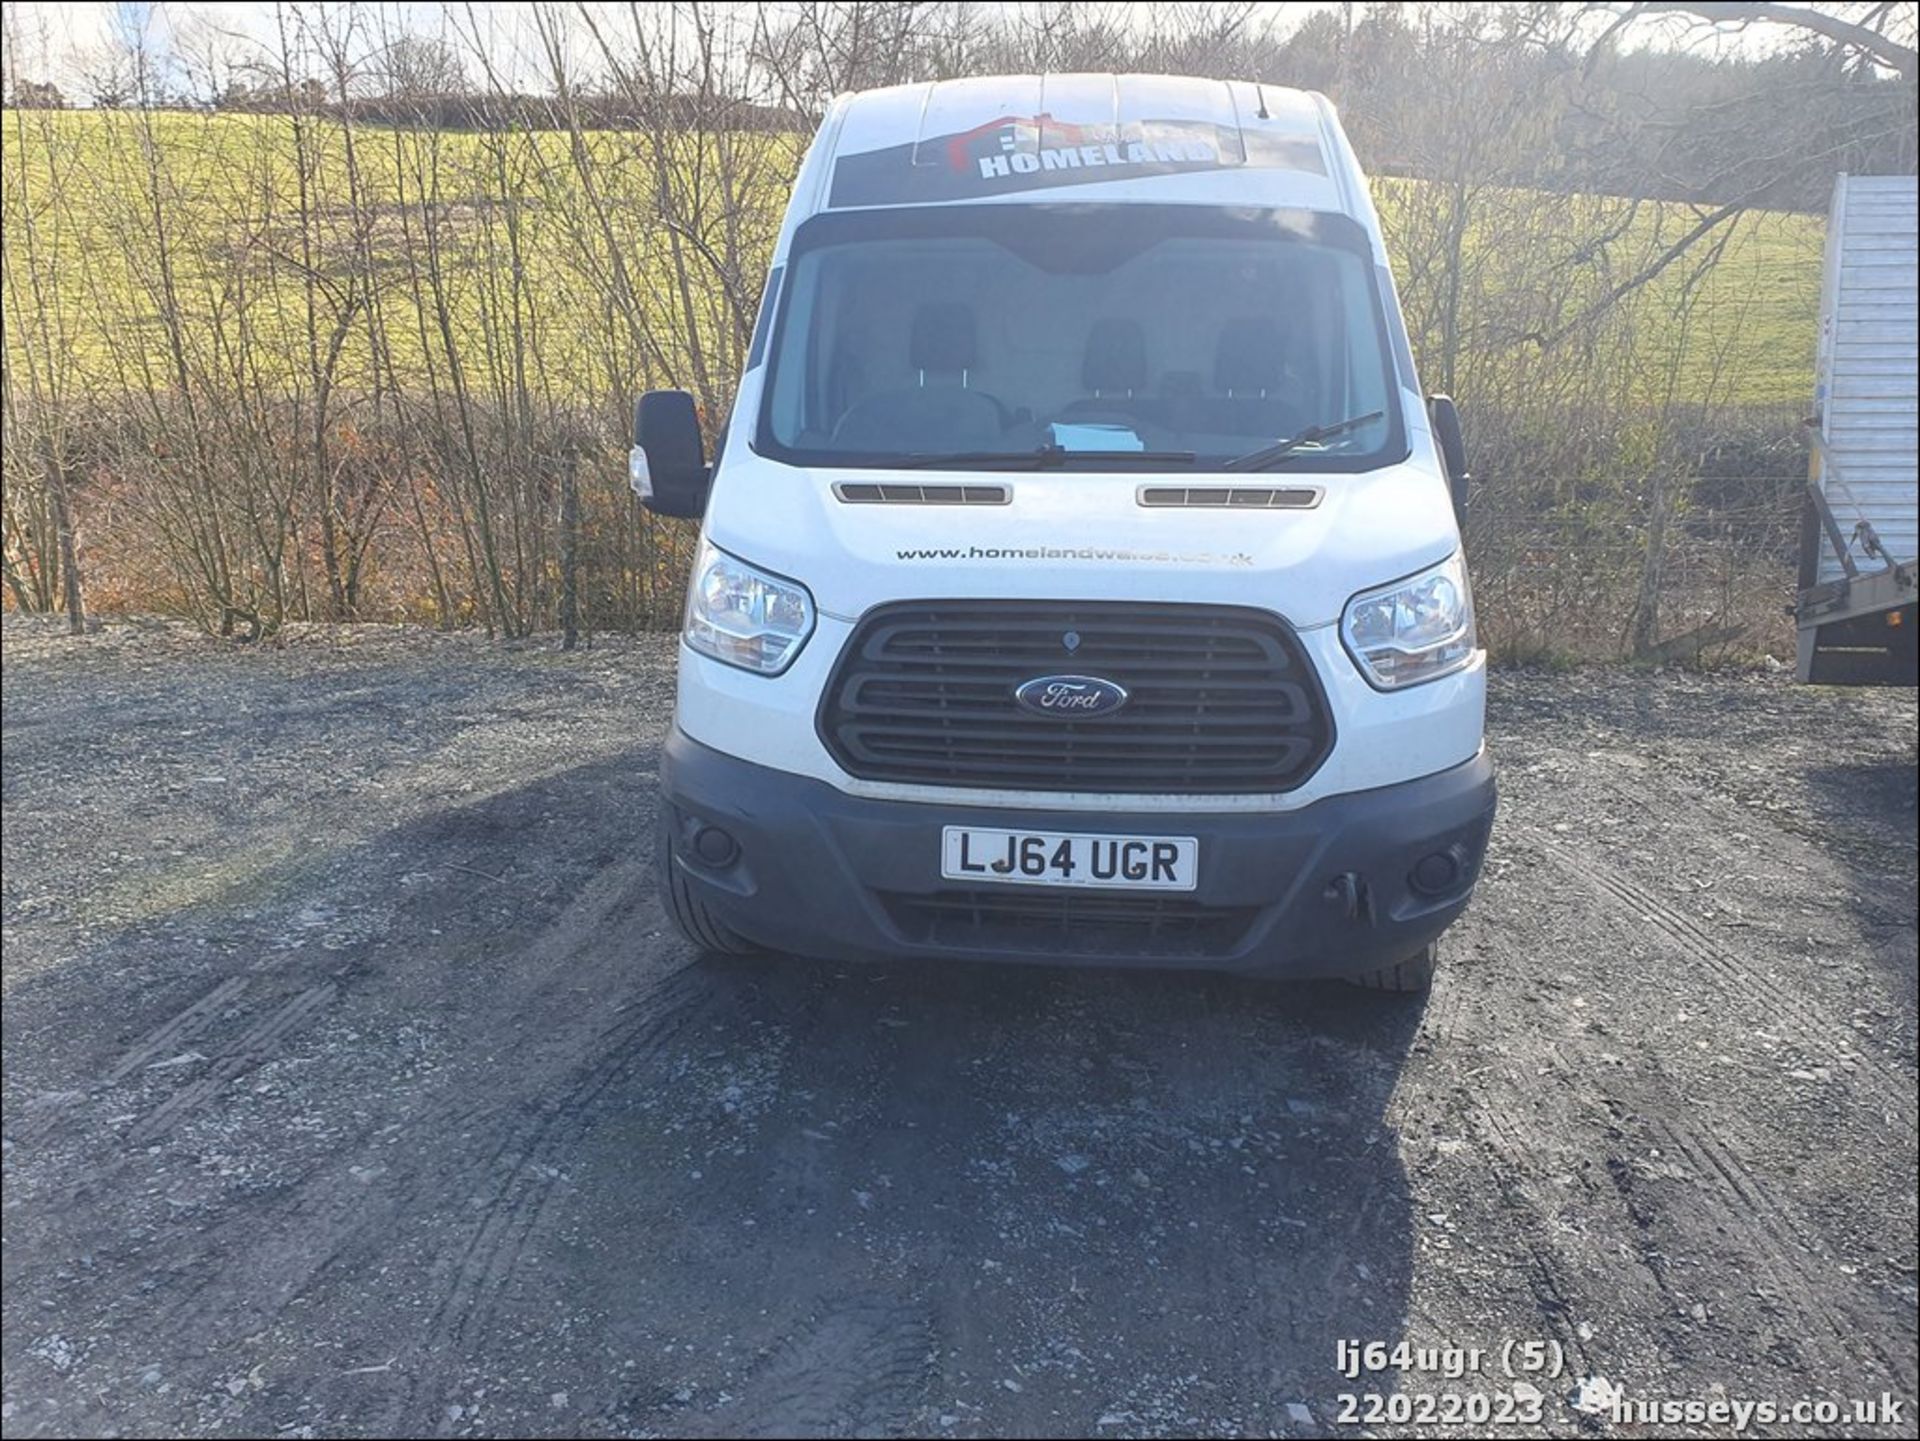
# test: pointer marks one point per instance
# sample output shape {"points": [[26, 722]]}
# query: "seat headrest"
{"points": [[1251, 356], [942, 337], [1116, 357]]}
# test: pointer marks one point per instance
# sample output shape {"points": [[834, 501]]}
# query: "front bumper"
{"points": [[1336, 888]]}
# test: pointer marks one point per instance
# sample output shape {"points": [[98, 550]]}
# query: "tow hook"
{"points": [[1348, 890]]}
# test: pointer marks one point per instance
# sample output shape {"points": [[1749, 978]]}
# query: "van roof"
{"points": [[1145, 138]]}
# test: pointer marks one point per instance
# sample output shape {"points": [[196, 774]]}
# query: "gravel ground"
{"points": [[353, 1086]]}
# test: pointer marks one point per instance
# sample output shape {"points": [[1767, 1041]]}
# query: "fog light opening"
{"points": [[1436, 874], [714, 847]]}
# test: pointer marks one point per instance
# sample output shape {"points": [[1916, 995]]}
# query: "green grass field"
{"points": [[525, 245]]}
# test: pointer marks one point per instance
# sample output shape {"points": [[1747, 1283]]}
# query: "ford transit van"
{"points": [[1079, 576]]}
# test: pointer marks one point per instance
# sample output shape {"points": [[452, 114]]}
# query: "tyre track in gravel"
{"points": [[1781, 1013], [1787, 1007], [861, 1366], [1752, 1233], [1737, 1205], [253, 1048], [204, 1275], [1753, 1225], [183, 1027], [1744, 1224], [1822, 1327], [245, 1268], [146, 1054], [589, 939], [483, 1262], [1505, 1153], [1479, 957], [1556, 1287]]}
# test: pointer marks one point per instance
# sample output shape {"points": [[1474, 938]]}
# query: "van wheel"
{"points": [[1413, 974], [698, 926]]}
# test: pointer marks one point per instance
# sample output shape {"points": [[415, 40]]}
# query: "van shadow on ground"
{"points": [[1029, 1201]]}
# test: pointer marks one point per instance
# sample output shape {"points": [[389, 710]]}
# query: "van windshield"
{"points": [[1085, 334]]}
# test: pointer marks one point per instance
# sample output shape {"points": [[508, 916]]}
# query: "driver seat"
{"points": [[1255, 396]]}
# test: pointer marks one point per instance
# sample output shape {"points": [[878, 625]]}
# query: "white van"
{"points": [[1080, 577]]}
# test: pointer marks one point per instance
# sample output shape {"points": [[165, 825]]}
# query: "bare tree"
{"points": [[418, 67], [1873, 35], [1883, 33]]}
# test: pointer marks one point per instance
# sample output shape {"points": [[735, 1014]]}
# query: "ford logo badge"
{"points": [[1071, 697]]}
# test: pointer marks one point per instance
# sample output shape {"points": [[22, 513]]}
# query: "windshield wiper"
{"points": [[1043, 457], [1279, 450]]}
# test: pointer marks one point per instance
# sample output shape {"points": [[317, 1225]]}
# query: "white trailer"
{"points": [[1862, 530]]}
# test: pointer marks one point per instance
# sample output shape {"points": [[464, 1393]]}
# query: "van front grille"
{"points": [[1068, 921], [1221, 699]]}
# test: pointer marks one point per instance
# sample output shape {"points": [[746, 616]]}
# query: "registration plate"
{"points": [[1066, 858]]}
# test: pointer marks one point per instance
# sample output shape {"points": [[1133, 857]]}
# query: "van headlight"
{"points": [[739, 614], [1414, 630]]}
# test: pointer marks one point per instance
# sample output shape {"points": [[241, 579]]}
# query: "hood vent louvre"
{"points": [[1232, 497], [912, 493]]}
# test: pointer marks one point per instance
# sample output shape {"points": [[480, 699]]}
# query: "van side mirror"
{"points": [[668, 467], [1445, 416]]}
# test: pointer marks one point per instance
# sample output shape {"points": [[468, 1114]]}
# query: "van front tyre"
{"points": [[1414, 974], [687, 913]]}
